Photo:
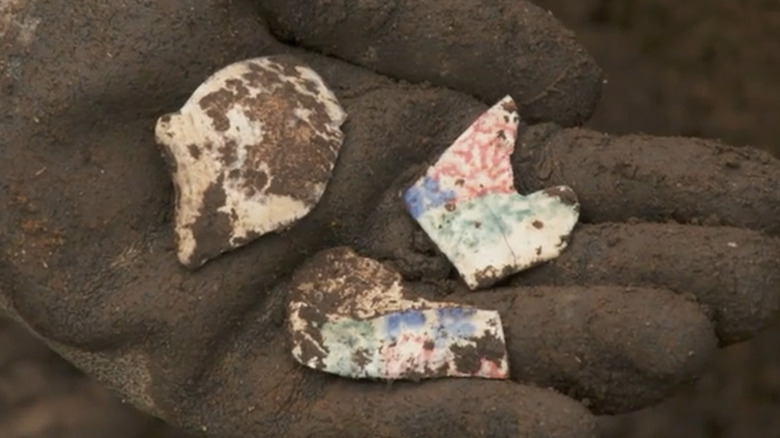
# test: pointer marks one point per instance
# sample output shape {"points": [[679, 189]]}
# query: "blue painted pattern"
{"points": [[401, 321], [421, 197]]}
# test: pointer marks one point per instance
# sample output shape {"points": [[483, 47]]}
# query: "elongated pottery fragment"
{"points": [[352, 316], [467, 204], [251, 152]]}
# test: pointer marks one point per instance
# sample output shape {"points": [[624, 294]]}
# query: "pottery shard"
{"points": [[251, 152], [354, 317], [467, 204]]}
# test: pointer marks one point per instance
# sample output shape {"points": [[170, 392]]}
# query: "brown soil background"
{"points": [[706, 68]]}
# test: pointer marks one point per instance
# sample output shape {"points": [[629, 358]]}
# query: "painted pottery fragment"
{"points": [[352, 316], [467, 204]]}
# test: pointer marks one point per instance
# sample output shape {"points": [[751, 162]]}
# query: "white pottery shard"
{"points": [[351, 316], [251, 152], [467, 204]]}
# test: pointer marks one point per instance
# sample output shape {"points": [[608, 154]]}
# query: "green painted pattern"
{"points": [[343, 337], [487, 220]]}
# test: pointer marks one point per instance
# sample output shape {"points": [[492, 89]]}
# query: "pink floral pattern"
{"points": [[467, 204], [478, 161]]}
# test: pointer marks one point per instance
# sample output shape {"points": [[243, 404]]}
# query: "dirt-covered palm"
{"points": [[674, 257]]}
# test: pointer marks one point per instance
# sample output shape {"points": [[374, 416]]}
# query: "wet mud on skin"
{"points": [[90, 202]]}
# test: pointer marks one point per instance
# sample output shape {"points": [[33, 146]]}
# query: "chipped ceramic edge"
{"points": [[373, 331], [209, 143], [467, 204]]}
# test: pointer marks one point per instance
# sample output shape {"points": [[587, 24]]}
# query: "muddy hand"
{"points": [[89, 260]]}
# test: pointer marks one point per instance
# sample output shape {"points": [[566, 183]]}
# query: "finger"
{"points": [[486, 50], [735, 273], [449, 408], [653, 178], [616, 349], [308, 403]]}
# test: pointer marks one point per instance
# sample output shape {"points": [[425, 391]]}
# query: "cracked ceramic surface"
{"points": [[352, 316], [467, 204], [251, 152]]}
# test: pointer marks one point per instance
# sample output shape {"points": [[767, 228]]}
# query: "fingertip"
{"points": [[620, 348]]}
